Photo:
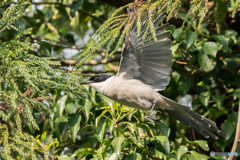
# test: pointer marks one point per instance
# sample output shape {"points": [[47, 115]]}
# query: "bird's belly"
{"points": [[134, 103], [131, 97]]}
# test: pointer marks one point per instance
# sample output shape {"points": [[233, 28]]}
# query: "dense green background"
{"points": [[44, 112]]}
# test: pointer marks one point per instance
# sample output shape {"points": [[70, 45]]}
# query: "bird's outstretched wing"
{"points": [[150, 63]]}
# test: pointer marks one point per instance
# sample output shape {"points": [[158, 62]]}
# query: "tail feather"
{"points": [[200, 124]]}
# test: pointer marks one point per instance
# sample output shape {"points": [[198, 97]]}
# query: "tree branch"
{"points": [[67, 62], [237, 136]]}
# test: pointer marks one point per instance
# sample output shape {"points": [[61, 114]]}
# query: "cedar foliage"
{"points": [[114, 30], [25, 81]]}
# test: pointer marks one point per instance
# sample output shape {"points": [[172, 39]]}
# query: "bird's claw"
{"points": [[151, 117]]}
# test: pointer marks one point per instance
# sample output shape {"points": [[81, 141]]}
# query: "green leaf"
{"points": [[204, 98], [99, 117], [164, 129], [165, 143], [114, 156], [43, 136], [74, 125], [111, 126], [64, 157], [210, 48], [205, 62], [74, 7], [83, 151], [87, 108], [184, 86], [180, 150], [145, 127], [219, 101], [61, 104], [236, 93], [176, 33], [197, 156], [100, 130], [117, 143], [133, 156], [229, 126], [61, 130], [174, 48], [106, 99], [201, 143], [51, 123], [73, 107], [223, 40], [190, 38]]}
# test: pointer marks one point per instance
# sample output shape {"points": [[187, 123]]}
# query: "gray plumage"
{"points": [[143, 71]]}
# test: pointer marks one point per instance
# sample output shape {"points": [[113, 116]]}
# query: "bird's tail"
{"points": [[193, 120]]}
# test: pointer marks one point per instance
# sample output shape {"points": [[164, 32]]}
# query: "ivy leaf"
{"points": [[190, 38], [61, 104], [205, 62], [74, 125], [204, 98], [210, 48], [180, 150], [117, 143], [74, 7]]}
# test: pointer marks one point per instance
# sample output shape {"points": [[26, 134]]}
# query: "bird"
{"points": [[145, 68]]}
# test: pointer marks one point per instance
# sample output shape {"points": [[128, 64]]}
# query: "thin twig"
{"points": [[189, 64], [237, 136], [194, 137]]}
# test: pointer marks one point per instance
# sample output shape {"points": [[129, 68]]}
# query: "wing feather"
{"points": [[149, 61]]}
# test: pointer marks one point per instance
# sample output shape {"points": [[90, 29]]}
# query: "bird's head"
{"points": [[97, 81], [97, 78]]}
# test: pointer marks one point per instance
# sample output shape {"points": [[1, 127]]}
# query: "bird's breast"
{"points": [[132, 93]]}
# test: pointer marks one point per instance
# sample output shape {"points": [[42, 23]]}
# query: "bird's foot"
{"points": [[151, 117]]}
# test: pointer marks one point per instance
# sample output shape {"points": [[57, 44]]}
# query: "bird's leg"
{"points": [[151, 116]]}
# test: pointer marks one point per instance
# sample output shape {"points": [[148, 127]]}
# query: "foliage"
{"points": [[44, 113], [115, 29], [25, 80]]}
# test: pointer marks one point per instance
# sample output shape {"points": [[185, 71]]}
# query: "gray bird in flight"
{"points": [[144, 70]]}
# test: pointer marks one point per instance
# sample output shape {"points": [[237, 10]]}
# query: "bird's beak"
{"points": [[86, 82]]}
